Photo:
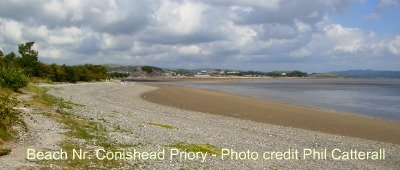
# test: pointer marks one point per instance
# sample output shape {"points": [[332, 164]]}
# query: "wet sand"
{"points": [[272, 112]]}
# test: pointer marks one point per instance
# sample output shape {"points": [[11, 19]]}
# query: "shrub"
{"points": [[13, 78], [37, 80], [8, 115]]}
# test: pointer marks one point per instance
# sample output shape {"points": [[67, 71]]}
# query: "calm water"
{"points": [[373, 97]]}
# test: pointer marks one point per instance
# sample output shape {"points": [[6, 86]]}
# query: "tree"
{"points": [[10, 60], [29, 59], [274, 74], [297, 73], [29, 63], [1, 57], [57, 73], [71, 73]]}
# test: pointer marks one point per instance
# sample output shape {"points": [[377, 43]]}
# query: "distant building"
{"points": [[283, 74], [202, 72]]}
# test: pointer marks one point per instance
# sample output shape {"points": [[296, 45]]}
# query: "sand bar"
{"points": [[272, 112]]}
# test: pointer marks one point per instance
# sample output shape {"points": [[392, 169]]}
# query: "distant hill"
{"points": [[368, 73], [324, 75]]}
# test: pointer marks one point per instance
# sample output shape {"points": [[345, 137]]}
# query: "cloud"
{"points": [[389, 46], [266, 35], [11, 30]]}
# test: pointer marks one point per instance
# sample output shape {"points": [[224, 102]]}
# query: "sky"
{"points": [[307, 35]]}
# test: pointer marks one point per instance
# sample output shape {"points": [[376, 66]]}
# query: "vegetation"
{"points": [[296, 73], [118, 75], [27, 64], [274, 74], [183, 72], [147, 69], [4, 151], [42, 100], [13, 78], [166, 126], [8, 115], [205, 148], [82, 133]]}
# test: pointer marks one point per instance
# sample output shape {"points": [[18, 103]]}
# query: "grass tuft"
{"points": [[4, 151], [188, 147], [166, 126], [37, 80]]}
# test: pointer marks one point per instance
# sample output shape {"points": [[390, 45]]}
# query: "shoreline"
{"points": [[275, 112]]}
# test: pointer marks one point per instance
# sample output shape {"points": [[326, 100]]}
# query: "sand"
{"points": [[276, 113]]}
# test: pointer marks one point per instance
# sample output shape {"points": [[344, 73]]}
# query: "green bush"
{"points": [[13, 78], [8, 115]]}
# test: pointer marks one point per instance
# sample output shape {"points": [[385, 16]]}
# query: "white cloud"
{"points": [[393, 46], [11, 30], [41, 31], [180, 18], [189, 50], [56, 9], [243, 35], [348, 40], [270, 4], [301, 26], [334, 40], [66, 36], [117, 42], [51, 53]]}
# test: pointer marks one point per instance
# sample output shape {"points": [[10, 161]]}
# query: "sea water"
{"points": [[371, 97]]}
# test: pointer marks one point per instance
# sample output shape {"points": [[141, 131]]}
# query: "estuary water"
{"points": [[371, 97]]}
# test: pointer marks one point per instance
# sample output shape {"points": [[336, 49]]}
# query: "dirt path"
{"points": [[43, 134]]}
